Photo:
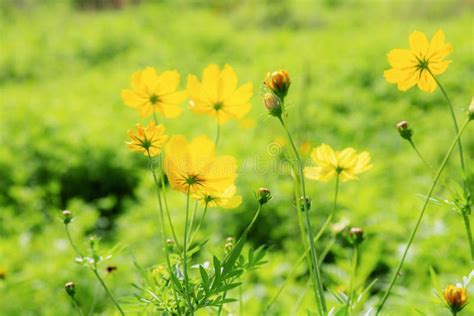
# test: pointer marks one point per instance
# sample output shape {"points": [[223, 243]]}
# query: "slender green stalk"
{"points": [[420, 216], [76, 305], [71, 242], [350, 293], [419, 154], [314, 256], [162, 228], [193, 218], [185, 254], [333, 211], [108, 291], [241, 302], [467, 224], [461, 157], [218, 132], [163, 193], [201, 220]]}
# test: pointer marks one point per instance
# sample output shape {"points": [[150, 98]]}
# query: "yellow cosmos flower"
{"points": [[455, 297], [347, 164], [217, 94], [194, 167], [149, 140], [152, 92], [420, 63], [224, 199]]}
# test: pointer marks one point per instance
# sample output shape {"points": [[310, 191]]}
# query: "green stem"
{"points": [[193, 218], [218, 132], [241, 302], [76, 305], [309, 230], [162, 228], [419, 154], [351, 282], [420, 216], [76, 250], [333, 211], [108, 291], [467, 224], [185, 254], [201, 220], [163, 193]]}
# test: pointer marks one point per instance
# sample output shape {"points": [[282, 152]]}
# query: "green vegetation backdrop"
{"points": [[63, 126]]}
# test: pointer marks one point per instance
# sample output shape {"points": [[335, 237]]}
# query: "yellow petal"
{"points": [[419, 44], [345, 176], [437, 68], [210, 82], [227, 82], [202, 152], [133, 99], [409, 80], [362, 163], [347, 158], [400, 58], [149, 79], [426, 82], [324, 155], [438, 48], [167, 82], [221, 173]]}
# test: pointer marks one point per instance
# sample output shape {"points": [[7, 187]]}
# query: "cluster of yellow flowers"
{"points": [[192, 167]]}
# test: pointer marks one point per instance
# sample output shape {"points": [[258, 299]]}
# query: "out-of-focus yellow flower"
{"points": [[305, 148], [247, 123], [347, 163], [152, 92], [194, 167], [149, 140], [218, 95], [455, 297], [413, 66], [224, 199]]}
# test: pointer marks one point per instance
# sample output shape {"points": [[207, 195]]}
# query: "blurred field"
{"points": [[63, 127]]}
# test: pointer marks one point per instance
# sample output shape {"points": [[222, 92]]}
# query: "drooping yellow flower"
{"points": [[218, 95], [152, 92], [194, 167], [149, 140], [225, 199], [420, 63], [455, 297], [347, 163]]}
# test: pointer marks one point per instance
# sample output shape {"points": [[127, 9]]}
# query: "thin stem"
{"points": [[71, 242], [201, 220], [333, 211], [94, 301], [453, 116], [193, 218], [241, 302], [420, 216], [419, 154], [354, 259], [314, 256], [168, 215], [467, 224], [185, 253], [218, 132], [76, 305], [107, 291], [162, 227]]}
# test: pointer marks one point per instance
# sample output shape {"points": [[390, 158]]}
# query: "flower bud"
{"points": [[229, 244], [278, 82], [305, 203], [3, 273], [273, 104], [405, 130], [67, 217], [471, 110], [356, 235], [170, 245], [455, 297], [70, 288], [263, 195]]}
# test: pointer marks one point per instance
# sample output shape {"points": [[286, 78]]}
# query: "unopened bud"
{"points": [[471, 110], [278, 82], [405, 130], [305, 203], [170, 245], [273, 104], [455, 298], [356, 235], [263, 195], [67, 217], [70, 288]]}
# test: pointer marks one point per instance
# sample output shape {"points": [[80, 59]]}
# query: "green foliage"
{"points": [[63, 128]]}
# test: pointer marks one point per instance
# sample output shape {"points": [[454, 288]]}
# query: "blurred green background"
{"points": [[63, 126]]}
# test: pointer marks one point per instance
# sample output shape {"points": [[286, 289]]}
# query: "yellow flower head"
{"points": [[217, 94], [224, 199], [149, 140], [194, 167], [455, 297], [347, 164], [278, 82], [420, 63], [152, 92]]}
